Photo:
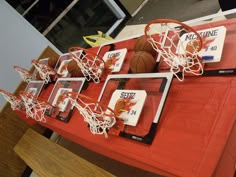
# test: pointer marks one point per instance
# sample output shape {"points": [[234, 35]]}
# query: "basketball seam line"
{"points": [[137, 63], [144, 64]]}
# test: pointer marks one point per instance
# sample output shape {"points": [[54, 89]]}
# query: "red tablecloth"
{"points": [[196, 134]]}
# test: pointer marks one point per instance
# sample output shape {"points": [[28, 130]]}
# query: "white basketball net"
{"points": [[44, 70], [165, 38], [25, 74], [34, 108], [12, 99], [99, 120], [90, 64]]}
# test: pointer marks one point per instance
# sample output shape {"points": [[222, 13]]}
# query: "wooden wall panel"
{"points": [[12, 129]]}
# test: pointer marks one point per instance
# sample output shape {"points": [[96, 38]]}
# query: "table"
{"points": [[188, 143]]}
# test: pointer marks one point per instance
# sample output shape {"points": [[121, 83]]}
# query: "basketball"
{"points": [[52, 61], [119, 107], [38, 76], [74, 69], [142, 44], [192, 46], [142, 62]]}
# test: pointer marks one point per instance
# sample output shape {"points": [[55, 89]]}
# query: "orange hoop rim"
{"points": [[25, 70], [147, 27], [106, 69], [8, 93], [74, 49], [27, 94], [39, 62], [75, 96]]}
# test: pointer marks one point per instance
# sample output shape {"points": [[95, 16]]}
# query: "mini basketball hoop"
{"points": [[34, 107], [91, 65], [45, 71], [12, 99], [99, 117], [180, 53], [26, 75]]}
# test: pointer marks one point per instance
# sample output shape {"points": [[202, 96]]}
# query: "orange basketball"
{"points": [[193, 46], [142, 44], [74, 69], [38, 76], [52, 61], [119, 107], [142, 62]]}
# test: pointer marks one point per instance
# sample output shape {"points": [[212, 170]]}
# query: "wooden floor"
{"points": [[12, 129]]}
